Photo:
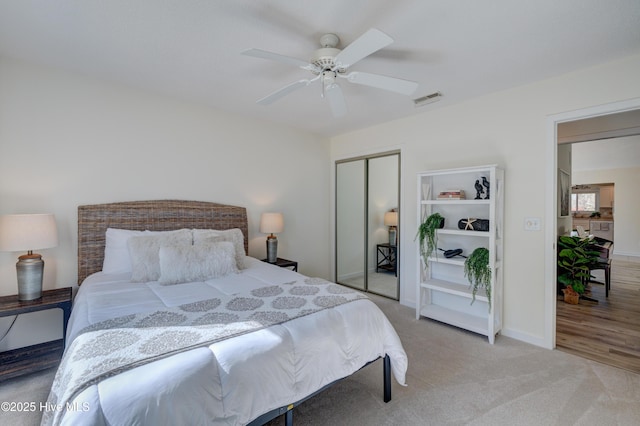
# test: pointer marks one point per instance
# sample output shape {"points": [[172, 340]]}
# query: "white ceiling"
{"points": [[191, 48]]}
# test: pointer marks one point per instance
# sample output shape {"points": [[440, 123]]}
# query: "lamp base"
{"points": [[272, 249], [393, 236], [30, 268]]}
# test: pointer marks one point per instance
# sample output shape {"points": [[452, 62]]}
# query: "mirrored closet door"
{"points": [[367, 223]]}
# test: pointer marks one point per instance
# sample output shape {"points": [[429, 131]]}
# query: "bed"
{"points": [[243, 345]]}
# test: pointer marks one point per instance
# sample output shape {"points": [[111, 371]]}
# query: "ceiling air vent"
{"points": [[435, 96]]}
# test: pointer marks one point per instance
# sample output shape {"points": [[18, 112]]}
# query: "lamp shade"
{"points": [[25, 232], [271, 223], [391, 219]]}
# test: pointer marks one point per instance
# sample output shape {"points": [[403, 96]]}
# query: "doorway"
{"points": [[367, 223], [555, 225]]}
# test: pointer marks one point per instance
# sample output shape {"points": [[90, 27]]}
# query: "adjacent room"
{"points": [[250, 212]]}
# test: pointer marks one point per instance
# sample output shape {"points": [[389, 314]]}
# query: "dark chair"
{"points": [[604, 246]]}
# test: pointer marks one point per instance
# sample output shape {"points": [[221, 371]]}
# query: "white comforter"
{"points": [[233, 381]]}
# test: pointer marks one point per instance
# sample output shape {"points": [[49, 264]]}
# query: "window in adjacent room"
{"points": [[584, 201]]}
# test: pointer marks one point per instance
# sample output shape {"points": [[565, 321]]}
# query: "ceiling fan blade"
{"points": [[392, 84], [269, 99], [263, 54], [338, 105], [369, 42]]}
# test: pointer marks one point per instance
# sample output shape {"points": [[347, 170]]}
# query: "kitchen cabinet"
{"points": [[601, 229], [606, 196]]}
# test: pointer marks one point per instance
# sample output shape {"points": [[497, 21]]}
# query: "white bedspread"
{"points": [[233, 381]]}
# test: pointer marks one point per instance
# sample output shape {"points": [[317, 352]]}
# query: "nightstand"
{"points": [[43, 355], [386, 258], [285, 263]]}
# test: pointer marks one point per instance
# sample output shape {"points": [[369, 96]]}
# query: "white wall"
{"points": [[66, 140], [507, 128]]}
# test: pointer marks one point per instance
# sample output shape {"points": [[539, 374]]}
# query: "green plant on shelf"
{"points": [[478, 271], [427, 237]]}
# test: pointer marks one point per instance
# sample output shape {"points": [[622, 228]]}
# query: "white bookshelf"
{"points": [[443, 292]]}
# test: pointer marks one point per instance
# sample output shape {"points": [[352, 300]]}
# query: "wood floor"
{"points": [[607, 331]]}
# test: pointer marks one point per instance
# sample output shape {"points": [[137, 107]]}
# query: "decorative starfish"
{"points": [[469, 224]]}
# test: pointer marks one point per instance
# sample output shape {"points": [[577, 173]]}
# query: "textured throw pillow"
{"points": [[183, 264], [234, 236], [144, 252], [116, 251]]}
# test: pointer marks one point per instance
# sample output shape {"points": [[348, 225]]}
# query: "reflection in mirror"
{"points": [[350, 226], [382, 276], [367, 201]]}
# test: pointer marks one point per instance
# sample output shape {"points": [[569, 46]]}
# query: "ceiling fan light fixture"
{"points": [[427, 99]]}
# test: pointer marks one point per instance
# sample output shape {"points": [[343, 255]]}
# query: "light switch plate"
{"points": [[531, 223]]}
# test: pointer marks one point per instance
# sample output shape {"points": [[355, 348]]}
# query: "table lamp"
{"points": [[271, 223], [391, 220], [27, 232]]}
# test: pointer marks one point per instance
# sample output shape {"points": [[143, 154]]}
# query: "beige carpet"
{"points": [[454, 378]]}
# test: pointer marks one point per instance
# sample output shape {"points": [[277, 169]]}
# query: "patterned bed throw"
{"points": [[113, 346]]}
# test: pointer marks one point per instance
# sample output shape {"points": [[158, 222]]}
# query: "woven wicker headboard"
{"points": [[161, 215]]}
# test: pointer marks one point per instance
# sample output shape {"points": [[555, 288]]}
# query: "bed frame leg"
{"points": [[288, 418], [387, 378]]}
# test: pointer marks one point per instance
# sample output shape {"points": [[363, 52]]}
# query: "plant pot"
{"points": [[441, 224], [572, 299]]}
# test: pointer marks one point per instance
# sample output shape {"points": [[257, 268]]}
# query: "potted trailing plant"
{"points": [[478, 271], [574, 259], [427, 234]]}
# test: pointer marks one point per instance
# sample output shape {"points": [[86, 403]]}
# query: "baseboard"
{"points": [[525, 337], [626, 256]]}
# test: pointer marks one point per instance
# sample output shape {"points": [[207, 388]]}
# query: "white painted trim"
{"points": [[626, 253], [524, 337], [551, 224]]}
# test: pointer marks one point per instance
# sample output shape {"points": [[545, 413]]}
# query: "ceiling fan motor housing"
{"points": [[325, 58]]}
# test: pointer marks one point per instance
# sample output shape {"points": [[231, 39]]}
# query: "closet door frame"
{"points": [[366, 189]]}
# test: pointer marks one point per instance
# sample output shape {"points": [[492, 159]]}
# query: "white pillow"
{"points": [[183, 264], [116, 251], [144, 252], [234, 236]]}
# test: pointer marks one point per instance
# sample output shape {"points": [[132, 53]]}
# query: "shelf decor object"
{"points": [[28, 232], [443, 289], [271, 223]]}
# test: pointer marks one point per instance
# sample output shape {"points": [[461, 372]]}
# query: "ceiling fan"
{"points": [[329, 64]]}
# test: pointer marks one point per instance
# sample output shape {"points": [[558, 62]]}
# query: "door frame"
{"points": [[551, 188], [366, 157]]}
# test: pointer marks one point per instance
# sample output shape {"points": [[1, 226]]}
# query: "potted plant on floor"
{"points": [[478, 271], [427, 234], [574, 259]]}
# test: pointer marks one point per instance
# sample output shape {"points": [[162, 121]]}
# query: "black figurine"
{"points": [[479, 190], [485, 182]]}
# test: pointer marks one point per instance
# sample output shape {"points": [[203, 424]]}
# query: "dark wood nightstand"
{"points": [[285, 263], [43, 355]]}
